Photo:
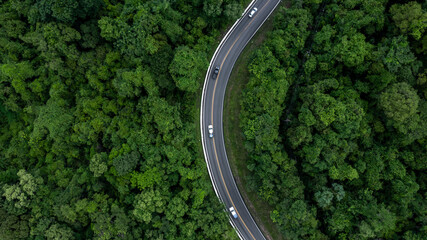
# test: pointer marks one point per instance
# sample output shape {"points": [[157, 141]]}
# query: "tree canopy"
{"points": [[334, 120], [97, 107]]}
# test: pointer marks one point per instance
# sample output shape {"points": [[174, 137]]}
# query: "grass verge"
{"points": [[234, 138]]}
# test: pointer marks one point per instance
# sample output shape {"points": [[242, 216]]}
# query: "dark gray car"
{"points": [[215, 72]]}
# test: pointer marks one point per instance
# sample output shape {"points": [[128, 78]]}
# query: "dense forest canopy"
{"points": [[98, 100], [335, 120]]}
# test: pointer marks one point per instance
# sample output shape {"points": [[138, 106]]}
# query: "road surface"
{"points": [[212, 110]]}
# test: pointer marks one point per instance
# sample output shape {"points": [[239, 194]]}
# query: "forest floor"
{"points": [[234, 139]]}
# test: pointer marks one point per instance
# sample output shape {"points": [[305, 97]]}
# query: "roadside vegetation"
{"points": [[234, 138], [334, 118], [97, 107]]}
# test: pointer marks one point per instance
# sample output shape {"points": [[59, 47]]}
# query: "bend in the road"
{"points": [[219, 171]]}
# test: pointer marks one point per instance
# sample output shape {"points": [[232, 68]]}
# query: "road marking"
{"points": [[232, 203], [216, 155], [213, 100]]}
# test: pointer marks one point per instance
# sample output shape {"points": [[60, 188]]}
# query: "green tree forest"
{"points": [[335, 120], [98, 108]]}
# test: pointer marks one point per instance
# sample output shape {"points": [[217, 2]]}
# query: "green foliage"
{"points": [[148, 203], [96, 119], [111, 224], [399, 102], [410, 18], [149, 178], [187, 68], [352, 50], [326, 195], [98, 164], [66, 11], [397, 53], [341, 154], [212, 8], [299, 219], [262, 131], [21, 194], [57, 232], [233, 11], [126, 163], [13, 227], [324, 198]]}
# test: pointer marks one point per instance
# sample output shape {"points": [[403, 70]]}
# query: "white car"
{"points": [[253, 11], [233, 212], [210, 130]]}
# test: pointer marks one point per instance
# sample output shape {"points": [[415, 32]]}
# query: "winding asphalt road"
{"points": [[212, 110]]}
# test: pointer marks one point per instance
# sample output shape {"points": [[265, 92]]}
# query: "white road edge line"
{"points": [[203, 99], [221, 44], [234, 182]]}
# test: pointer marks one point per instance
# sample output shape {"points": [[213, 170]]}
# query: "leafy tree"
{"points": [[187, 68], [13, 227], [22, 193], [128, 83], [233, 11], [97, 164], [409, 18], [52, 121], [57, 231], [126, 163], [212, 8], [397, 54], [18, 74], [400, 103], [64, 11], [149, 178], [324, 198], [353, 50], [111, 225], [299, 220], [148, 203]]}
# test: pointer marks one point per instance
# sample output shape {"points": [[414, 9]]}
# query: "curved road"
{"points": [[212, 109]]}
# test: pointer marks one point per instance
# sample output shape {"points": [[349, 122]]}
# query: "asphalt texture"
{"points": [[212, 113]]}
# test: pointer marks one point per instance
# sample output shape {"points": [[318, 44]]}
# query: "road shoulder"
{"points": [[234, 139]]}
